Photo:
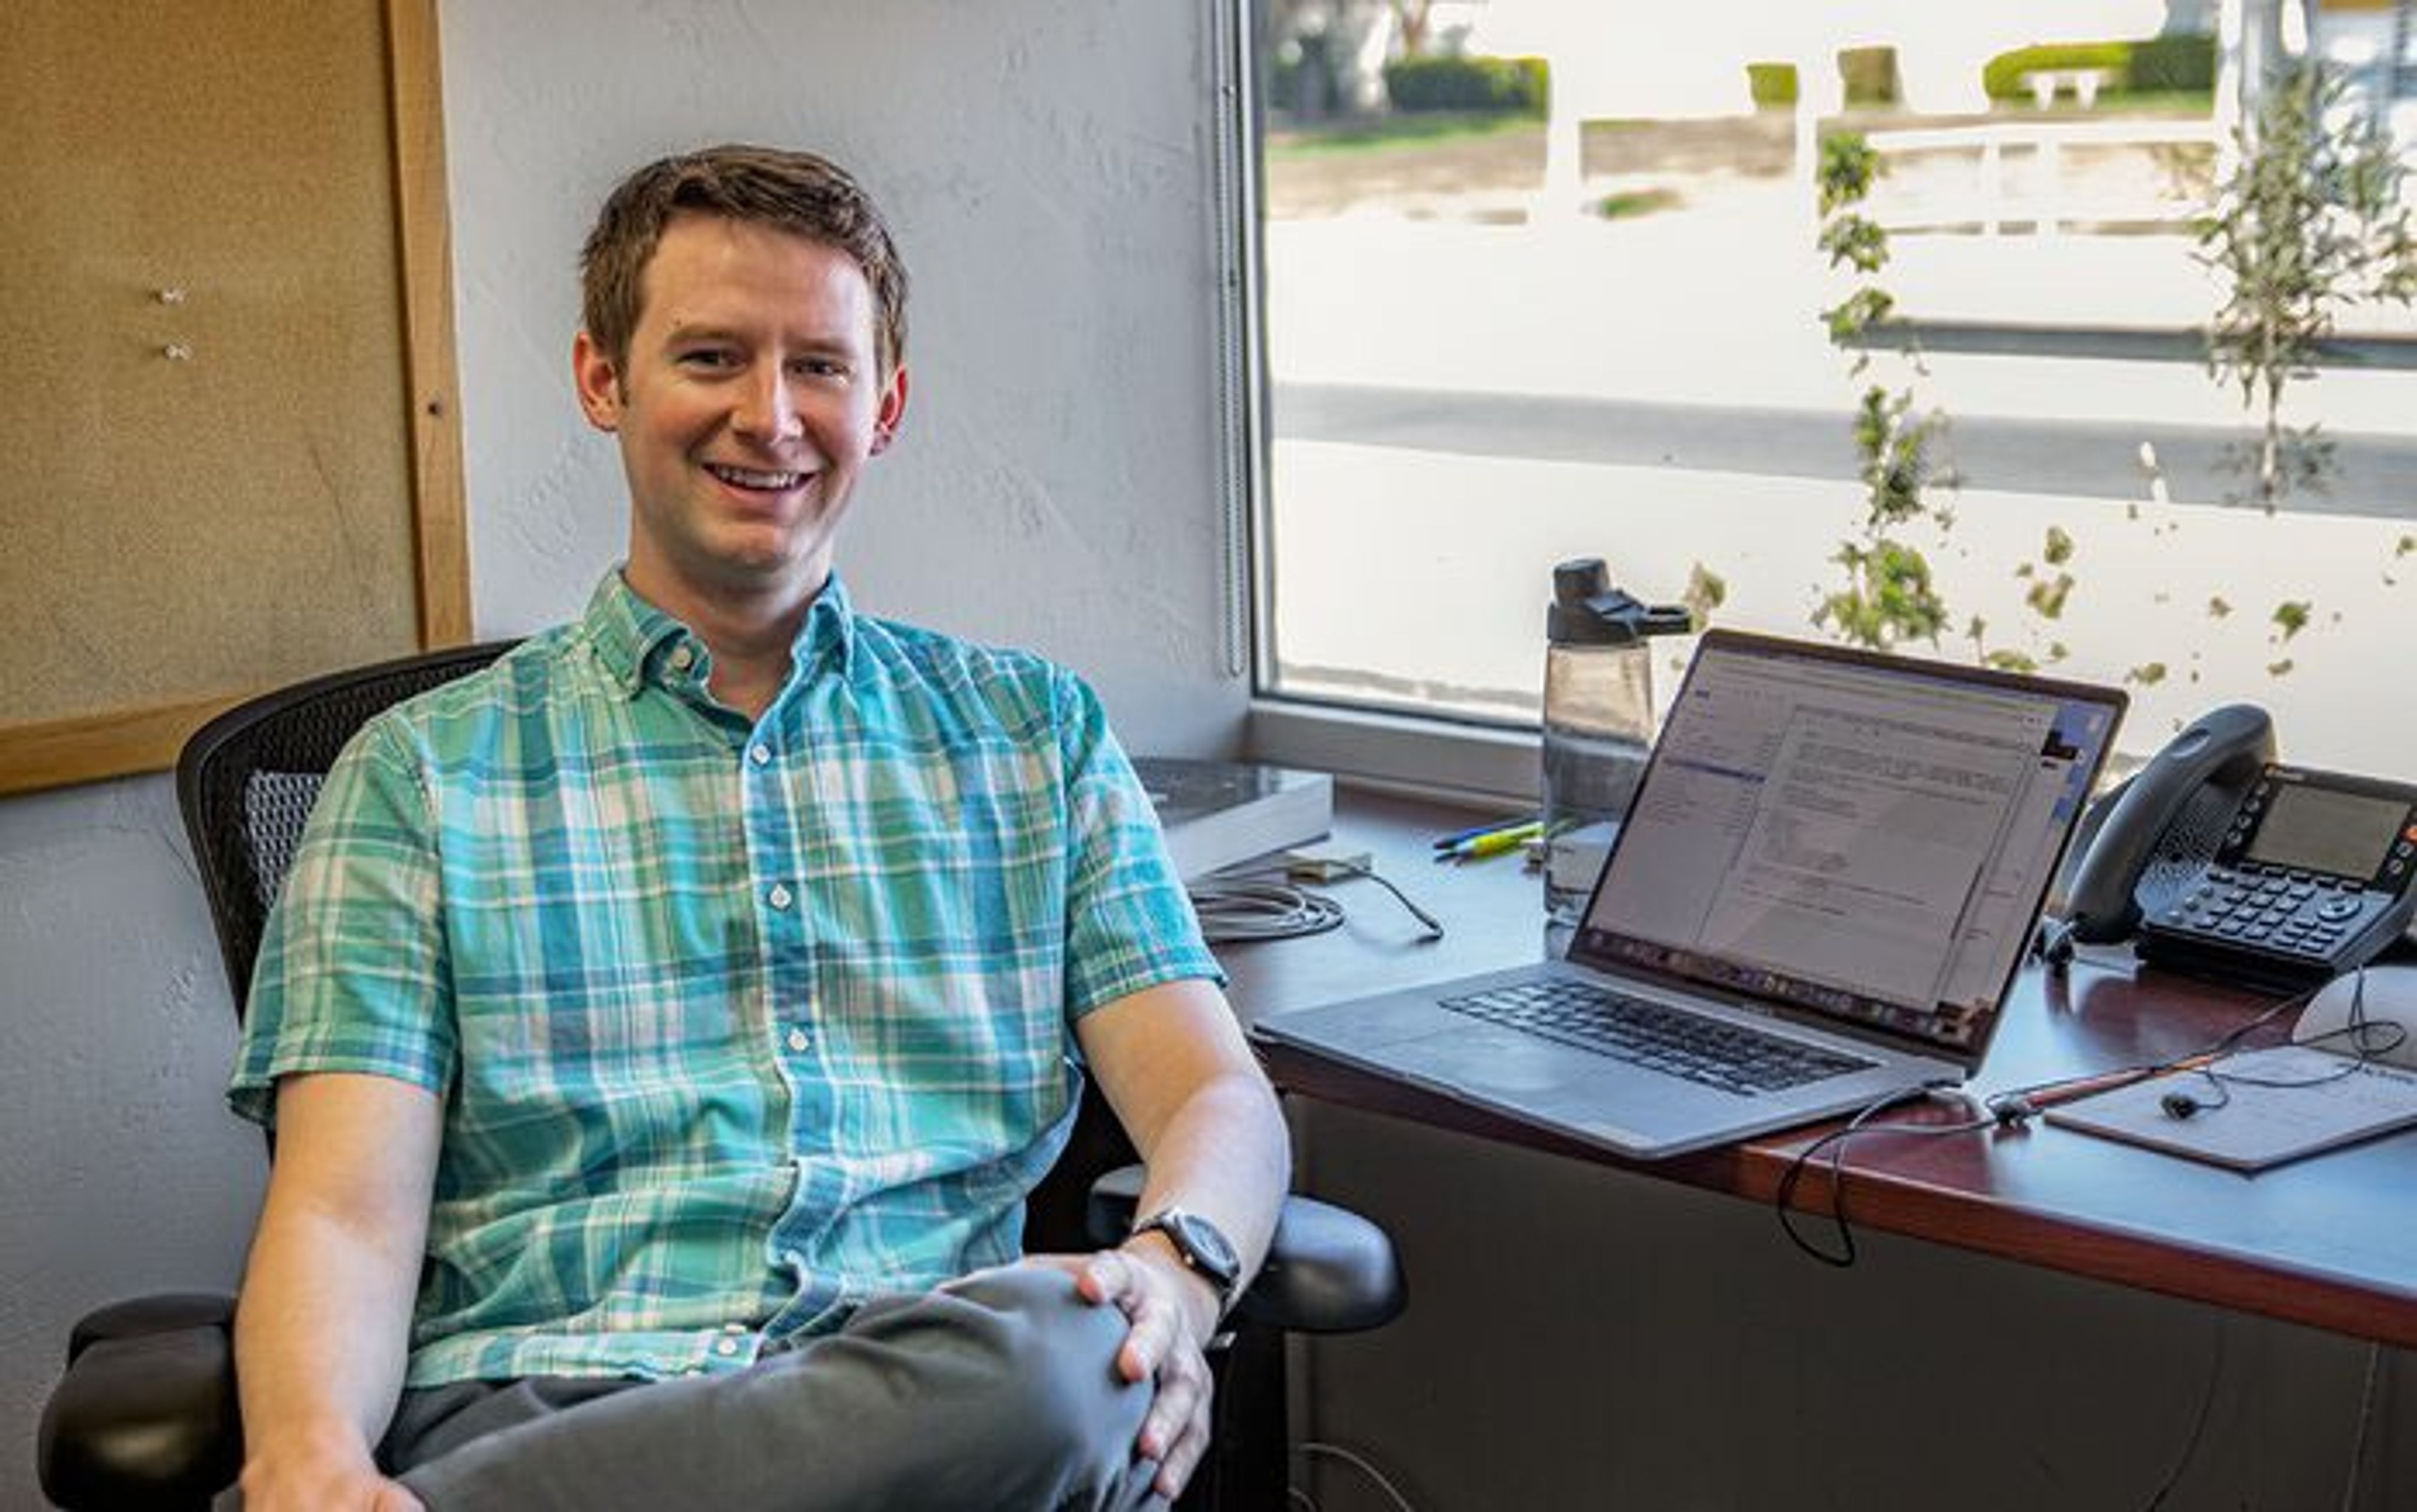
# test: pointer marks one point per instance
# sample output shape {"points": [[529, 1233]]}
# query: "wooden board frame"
{"points": [[120, 742]]}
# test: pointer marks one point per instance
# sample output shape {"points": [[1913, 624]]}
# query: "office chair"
{"points": [[146, 1416]]}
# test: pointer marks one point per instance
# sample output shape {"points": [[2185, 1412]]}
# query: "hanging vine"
{"points": [[1888, 594]]}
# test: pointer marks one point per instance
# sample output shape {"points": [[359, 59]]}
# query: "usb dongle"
{"points": [[1325, 863]]}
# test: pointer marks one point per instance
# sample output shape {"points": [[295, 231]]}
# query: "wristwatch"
{"points": [[1207, 1251]]}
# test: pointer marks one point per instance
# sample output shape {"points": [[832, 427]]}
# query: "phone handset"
{"points": [[2221, 753]]}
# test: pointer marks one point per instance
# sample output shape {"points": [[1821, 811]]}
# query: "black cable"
{"points": [[2365, 1419], [1353, 868], [2359, 1029], [2369, 1039], [1860, 1123], [2017, 1106], [2199, 1425]]}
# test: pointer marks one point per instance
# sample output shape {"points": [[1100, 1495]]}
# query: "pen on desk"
{"points": [[2076, 1088], [1496, 841], [1462, 837]]}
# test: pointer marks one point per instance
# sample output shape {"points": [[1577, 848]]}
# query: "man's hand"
{"points": [[327, 1477], [1171, 1314], [1187, 1089]]}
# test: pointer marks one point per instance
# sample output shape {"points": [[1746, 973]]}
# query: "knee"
{"points": [[1054, 1371]]}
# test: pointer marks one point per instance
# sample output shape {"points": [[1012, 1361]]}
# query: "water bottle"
{"points": [[1598, 722]]}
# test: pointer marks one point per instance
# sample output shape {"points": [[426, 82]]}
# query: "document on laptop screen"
{"points": [[1862, 839]]}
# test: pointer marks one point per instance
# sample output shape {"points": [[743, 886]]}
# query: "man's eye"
{"points": [[818, 368], [709, 357]]}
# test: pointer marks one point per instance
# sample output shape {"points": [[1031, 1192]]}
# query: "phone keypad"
{"points": [[2289, 912]]}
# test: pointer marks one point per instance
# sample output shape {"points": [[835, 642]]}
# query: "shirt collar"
{"points": [[828, 638], [636, 639]]}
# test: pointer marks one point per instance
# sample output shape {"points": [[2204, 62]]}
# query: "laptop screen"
{"points": [[1865, 837]]}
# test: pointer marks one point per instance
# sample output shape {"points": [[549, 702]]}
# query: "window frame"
{"points": [[1435, 754], [1459, 753]]}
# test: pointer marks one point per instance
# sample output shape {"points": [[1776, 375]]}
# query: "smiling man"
{"points": [[664, 1026]]}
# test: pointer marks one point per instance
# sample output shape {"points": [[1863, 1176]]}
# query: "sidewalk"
{"points": [[1590, 307]]}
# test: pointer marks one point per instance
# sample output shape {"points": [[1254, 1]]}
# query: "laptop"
{"points": [[1819, 899]]}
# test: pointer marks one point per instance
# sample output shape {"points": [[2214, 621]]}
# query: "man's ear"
{"points": [[599, 381], [892, 409]]}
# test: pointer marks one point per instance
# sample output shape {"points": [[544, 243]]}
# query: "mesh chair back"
{"points": [[246, 779]]}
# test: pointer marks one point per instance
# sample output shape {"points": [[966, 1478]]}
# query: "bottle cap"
{"points": [[1588, 610]]}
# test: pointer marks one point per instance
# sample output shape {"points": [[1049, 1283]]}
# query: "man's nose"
{"points": [[767, 410]]}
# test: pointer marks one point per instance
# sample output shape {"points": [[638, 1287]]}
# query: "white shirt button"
{"points": [[727, 1348], [682, 658], [760, 753], [780, 896], [798, 1041]]}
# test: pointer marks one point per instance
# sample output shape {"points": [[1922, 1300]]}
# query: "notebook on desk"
{"points": [[1820, 897]]}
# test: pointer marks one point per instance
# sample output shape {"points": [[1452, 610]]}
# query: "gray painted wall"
{"points": [[1045, 163]]}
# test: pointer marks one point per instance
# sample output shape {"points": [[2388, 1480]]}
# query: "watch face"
{"points": [[1208, 1247], [1204, 1248]]}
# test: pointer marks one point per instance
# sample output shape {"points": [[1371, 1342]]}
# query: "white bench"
{"points": [[2047, 203], [2081, 84]]}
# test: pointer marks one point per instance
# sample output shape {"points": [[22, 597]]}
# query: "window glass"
{"points": [[1541, 279]]}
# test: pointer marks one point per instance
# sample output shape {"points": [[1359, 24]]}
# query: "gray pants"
{"points": [[999, 1391]]}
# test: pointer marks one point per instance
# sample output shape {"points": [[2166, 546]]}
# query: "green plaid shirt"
{"points": [[734, 1026]]}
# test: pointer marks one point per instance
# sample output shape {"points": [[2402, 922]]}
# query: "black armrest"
{"points": [[1329, 1270], [161, 1314], [146, 1416]]}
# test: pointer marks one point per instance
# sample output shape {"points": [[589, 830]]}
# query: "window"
{"points": [[1516, 311]]}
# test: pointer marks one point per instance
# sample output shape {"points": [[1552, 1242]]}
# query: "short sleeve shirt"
{"points": [[735, 1024]]}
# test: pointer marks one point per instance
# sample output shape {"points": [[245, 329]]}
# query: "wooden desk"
{"points": [[2330, 1241]]}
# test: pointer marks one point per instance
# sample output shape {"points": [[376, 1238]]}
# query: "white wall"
{"points": [[1046, 165]]}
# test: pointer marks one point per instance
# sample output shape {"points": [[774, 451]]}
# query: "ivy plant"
{"points": [[1888, 594], [2309, 221]]}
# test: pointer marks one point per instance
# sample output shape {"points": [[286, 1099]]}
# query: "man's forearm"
{"points": [[1175, 1065], [321, 1335], [1225, 1155], [323, 1324]]}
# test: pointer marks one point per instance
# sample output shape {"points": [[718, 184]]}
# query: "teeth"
{"points": [[749, 478]]}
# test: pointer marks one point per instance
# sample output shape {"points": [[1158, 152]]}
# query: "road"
{"points": [[2079, 458]]}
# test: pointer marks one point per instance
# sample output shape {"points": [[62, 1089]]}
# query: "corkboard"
{"points": [[232, 456]]}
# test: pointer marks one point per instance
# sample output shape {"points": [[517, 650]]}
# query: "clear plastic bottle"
{"points": [[1598, 722]]}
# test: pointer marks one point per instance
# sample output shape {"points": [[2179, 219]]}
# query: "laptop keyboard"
{"points": [[1711, 1050]]}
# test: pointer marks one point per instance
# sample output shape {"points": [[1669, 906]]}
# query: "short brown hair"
{"points": [[793, 191]]}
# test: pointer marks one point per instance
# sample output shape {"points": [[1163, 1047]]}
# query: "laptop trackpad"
{"points": [[1484, 1059]]}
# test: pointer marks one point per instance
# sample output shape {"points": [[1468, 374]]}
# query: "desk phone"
{"points": [[2311, 876], [2217, 857]]}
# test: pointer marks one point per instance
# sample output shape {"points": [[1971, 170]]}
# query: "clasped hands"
{"points": [[1171, 1315]]}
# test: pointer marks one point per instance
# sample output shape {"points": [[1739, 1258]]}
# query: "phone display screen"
{"points": [[2323, 829]]}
